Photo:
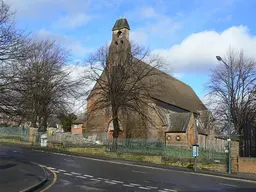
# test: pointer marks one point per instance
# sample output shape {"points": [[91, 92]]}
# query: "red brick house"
{"points": [[178, 113], [77, 126]]}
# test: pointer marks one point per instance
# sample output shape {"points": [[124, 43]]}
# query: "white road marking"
{"points": [[170, 190], [81, 177], [76, 173], [117, 181], [134, 184], [229, 185], [62, 170], [152, 187], [88, 176], [109, 182], [51, 168], [128, 185], [95, 179], [144, 188], [149, 167], [67, 174], [138, 172]]}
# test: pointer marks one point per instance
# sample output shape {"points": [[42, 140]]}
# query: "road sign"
{"points": [[195, 150]]}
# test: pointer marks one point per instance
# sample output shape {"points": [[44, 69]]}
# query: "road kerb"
{"points": [[37, 185], [151, 167], [54, 177]]}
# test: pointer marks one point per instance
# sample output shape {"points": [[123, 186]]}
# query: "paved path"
{"points": [[91, 174]]}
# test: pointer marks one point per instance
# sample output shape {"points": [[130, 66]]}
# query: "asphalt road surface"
{"points": [[75, 174]]}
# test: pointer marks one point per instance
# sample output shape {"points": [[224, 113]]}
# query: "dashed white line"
{"points": [[117, 181], [51, 168], [128, 185], [62, 170], [81, 177], [147, 167], [152, 187], [95, 179], [138, 172], [88, 176], [67, 174], [76, 173], [144, 188], [172, 190], [109, 182]]}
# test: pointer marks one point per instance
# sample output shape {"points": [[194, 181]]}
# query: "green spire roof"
{"points": [[120, 24]]}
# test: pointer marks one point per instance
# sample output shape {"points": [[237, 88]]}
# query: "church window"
{"points": [[119, 34]]}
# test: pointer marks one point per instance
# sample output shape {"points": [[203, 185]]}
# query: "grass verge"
{"points": [[14, 140], [102, 152]]}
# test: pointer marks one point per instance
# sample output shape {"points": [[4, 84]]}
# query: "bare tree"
{"points": [[12, 43], [124, 82], [43, 86], [242, 70]]}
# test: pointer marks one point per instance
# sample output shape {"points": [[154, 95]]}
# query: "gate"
{"points": [[249, 141]]}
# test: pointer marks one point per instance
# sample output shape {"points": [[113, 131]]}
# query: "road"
{"points": [[17, 175], [77, 174]]}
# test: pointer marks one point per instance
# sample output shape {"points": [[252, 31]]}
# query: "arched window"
{"points": [[119, 34]]}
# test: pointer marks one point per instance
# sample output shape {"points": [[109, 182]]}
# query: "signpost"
{"points": [[195, 154]]}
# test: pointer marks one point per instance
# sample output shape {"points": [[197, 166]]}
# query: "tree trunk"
{"points": [[116, 130], [34, 120], [43, 124]]}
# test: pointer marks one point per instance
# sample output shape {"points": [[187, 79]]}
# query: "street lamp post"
{"points": [[229, 117]]}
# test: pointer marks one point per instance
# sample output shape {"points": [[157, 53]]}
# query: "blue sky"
{"points": [[187, 33]]}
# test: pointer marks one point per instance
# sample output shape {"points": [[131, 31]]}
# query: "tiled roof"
{"points": [[120, 24]]}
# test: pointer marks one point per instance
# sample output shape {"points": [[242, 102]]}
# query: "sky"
{"points": [[188, 34]]}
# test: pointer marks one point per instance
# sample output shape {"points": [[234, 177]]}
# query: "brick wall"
{"points": [[202, 141], [191, 130], [247, 164], [78, 130], [211, 142], [120, 136], [171, 139], [234, 156], [33, 132], [241, 164]]}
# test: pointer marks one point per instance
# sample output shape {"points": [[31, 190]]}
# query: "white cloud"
{"points": [[178, 75], [75, 46], [197, 52], [77, 72], [73, 21], [148, 12], [139, 36], [155, 24]]}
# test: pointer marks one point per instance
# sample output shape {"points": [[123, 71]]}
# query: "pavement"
{"points": [[17, 175], [72, 173]]}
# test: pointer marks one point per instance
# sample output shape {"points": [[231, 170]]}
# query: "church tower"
{"points": [[120, 37]]}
